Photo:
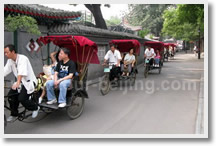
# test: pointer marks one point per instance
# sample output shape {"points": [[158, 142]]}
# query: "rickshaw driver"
{"points": [[114, 57], [64, 72], [25, 84], [149, 54]]}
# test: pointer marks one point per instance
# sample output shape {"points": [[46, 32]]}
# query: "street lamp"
{"points": [[199, 44]]}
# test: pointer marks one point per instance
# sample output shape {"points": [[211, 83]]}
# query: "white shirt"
{"points": [[22, 67], [113, 57], [129, 58], [149, 53]]}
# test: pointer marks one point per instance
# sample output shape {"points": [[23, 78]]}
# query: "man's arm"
{"points": [[119, 59], [66, 77], [118, 62], [7, 69], [55, 76], [52, 56], [17, 84]]}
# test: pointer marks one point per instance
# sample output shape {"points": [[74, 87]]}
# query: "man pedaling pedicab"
{"points": [[149, 54], [23, 88], [64, 72], [128, 63], [114, 57]]}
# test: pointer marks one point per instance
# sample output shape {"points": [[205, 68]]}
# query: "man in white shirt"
{"points": [[114, 57], [149, 54], [24, 86]]}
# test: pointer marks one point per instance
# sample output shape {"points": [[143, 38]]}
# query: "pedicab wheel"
{"points": [[146, 72], [161, 63], [5, 122], [76, 107], [105, 85], [132, 78], [159, 69]]}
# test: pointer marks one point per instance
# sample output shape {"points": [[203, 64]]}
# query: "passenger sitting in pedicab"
{"points": [[171, 51], [64, 72], [157, 58], [49, 71], [129, 61], [149, 54], [114, 57], [122, 61]]}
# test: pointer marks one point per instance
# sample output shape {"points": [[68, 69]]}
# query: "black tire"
{"points": [[5, 122], [76, 107], [160, 67], [105, 85], [146, 71], [132, 78]]}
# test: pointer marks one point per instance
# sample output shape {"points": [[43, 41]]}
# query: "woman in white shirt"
{"points": [[129, 61]]}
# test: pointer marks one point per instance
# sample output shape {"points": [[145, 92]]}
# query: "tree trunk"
{"points": [[96, 11]]}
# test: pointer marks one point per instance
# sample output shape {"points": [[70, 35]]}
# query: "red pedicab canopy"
{"points": [[126, 45], [166, 45], [82, 49], [155, 45]]}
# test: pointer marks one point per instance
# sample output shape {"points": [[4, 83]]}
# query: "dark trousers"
{"points": [[114, 72], [22, 97], [151, 61]]}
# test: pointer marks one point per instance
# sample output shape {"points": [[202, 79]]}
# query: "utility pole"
{"points": [[199, 45]]}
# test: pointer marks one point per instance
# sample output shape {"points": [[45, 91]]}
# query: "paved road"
{"points": [[160, 104]]}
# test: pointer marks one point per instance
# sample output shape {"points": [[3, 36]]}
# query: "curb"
{"points": [[200, 112]]}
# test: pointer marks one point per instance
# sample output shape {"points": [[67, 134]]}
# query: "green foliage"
{"points": [[149, 16], [13, 23], [143, 33], [151, 36], [114, 20], [184, 21]]}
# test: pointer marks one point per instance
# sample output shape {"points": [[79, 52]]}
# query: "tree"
{"points": [[183, 21], [149, 16], [96, 12], [114, 20], [95, 9], [13, 23], [143, 33]]}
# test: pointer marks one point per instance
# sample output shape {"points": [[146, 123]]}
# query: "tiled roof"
{"points": [[85, 30], [40, 11]]}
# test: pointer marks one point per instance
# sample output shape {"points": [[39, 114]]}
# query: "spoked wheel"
{"points": [[105, 85], [159, 69], [76, 107], [132, 78], [146, 71]]}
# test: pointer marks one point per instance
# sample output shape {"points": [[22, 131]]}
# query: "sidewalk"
{"points": [[200, 112]]}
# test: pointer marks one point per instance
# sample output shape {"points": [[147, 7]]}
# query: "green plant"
{"points": [[13, 23]]}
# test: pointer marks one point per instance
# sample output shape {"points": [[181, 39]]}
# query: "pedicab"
{"points": [[166, 51], [123, 46], [84, 52], [156, 45], [172, 50]]}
